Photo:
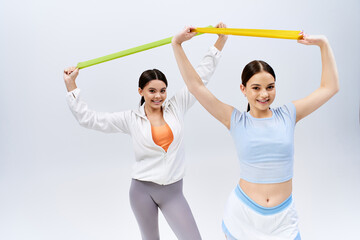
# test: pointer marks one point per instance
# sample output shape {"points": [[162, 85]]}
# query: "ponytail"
{"points": [[142, 101]]}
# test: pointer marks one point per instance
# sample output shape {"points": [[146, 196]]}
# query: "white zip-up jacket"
{"points": [[152, 163]]}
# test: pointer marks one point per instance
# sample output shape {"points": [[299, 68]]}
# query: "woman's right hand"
{"points": [[184, 35], [70, 75], [219, 44]]}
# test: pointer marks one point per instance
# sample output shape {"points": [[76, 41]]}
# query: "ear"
{"points": [[140, 92], [243, 89]]}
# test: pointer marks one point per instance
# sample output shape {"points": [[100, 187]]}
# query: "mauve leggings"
{"points": [[147, 197]]}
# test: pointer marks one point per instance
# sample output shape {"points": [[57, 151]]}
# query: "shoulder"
{"points": [[135, 113], [170, 104], [237, 116], [177, 103], [288, 110]]}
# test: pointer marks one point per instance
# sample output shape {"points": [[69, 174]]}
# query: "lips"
{"points": [[157, 102], [263, 101]]}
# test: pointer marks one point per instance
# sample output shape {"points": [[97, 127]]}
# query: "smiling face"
{"points": [[154, 93], [260, 91]]}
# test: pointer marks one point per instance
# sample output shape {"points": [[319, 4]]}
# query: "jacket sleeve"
{"points": [[101, 121], [183, 99]]}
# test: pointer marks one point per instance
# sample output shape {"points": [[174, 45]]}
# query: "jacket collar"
{"points": [[140, 111]]}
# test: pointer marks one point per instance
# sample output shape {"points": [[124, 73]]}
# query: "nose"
{"points": [[157, 95], [264, 94]]}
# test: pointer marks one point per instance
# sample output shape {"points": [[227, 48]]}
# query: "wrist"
{"points": [[70, 85], [175, 43], [323, 43], [69, 81]]}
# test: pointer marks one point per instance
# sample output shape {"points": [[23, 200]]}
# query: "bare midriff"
{"points": [[267, 194]]}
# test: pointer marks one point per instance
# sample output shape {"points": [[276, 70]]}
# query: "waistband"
{"points": [[258, 208]]}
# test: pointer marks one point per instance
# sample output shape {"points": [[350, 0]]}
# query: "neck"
{"points": [[260, 113]]}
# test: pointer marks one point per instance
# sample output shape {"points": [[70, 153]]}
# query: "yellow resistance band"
{"points": [[285, 34]]}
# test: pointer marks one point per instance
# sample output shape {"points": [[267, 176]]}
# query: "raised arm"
{"points": [[329, 84], [205, 69], [218, 109], [101, 121]]}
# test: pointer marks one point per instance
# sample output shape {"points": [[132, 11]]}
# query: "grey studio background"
{"points": [[61, 181]]}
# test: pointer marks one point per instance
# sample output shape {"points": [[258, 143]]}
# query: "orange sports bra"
{"points": [[162, 136]]}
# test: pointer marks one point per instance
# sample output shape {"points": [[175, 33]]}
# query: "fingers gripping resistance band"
{"points": [[127, 52], [285, 34]]}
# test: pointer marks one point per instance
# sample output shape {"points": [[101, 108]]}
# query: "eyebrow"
{"points": [[151, 88], [255, 84]]}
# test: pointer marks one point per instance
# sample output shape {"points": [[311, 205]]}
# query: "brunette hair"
{"points": [[253, 68], [149, 75]]}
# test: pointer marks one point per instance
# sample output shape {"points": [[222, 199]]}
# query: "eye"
{"points": [[163, 91], [271, 87], [151, 90], [256, 88]]}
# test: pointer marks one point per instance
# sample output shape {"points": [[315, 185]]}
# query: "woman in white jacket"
{"points": [[156, 128]]}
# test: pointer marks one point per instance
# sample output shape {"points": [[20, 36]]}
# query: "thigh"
{"points": [[177, 212], [145, 210]]}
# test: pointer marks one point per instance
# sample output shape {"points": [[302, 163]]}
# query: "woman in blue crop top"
{"points": [[261, 206]]}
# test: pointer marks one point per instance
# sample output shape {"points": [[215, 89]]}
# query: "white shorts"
{"points": [[246, 220]]}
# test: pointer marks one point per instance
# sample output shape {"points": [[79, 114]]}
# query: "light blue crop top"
{"points": [[265, 146]]}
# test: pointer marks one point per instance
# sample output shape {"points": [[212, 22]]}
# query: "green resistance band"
{"points": [[127, 52]]}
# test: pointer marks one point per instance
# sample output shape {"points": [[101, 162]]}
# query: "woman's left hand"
{"points": [[318, 40]]}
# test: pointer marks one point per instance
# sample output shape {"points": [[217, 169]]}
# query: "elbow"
{"points": [[86, 120], [83, 123], [337, 85], [333, 91]]}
